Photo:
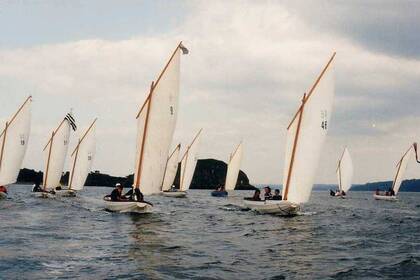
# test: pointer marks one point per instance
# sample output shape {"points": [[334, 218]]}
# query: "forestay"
{"points": [[305, 138], [171, 169], [13, 143], [155, 127], [82, 158], [188, 163], [233, 168], [345, 171], [55, 154]]}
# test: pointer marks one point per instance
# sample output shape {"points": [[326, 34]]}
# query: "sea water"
{"points": [[203, 237]]}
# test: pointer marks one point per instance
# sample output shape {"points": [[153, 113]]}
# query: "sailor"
{"points": [[267, 193], [116, 193], [377, 192], [277, 195], [138, 196], [256, 196], [332, 193], [36, 187], [3, 189], [391, 192], [58, 188]]}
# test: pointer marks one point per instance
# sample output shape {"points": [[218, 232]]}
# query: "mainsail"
{"points": [[305, 137], [188, 163], [155, 126], [82, 158], [14, 141], [55, 153], [345, 171], [401, 167], [233, 168], [171, 168]]}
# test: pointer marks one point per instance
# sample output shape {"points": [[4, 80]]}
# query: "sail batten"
{"points": [[233, 168], [14, 140], [156, 122], [305, 137]]}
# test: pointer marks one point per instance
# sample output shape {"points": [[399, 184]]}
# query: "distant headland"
{"points": [[209, 174]]}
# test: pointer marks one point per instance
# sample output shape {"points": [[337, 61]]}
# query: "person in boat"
{"points": [[134, 194], [277, 195], [256, 196], [343, 193], [332, 193], [377, 192], [58, 188], [116, 194], [3, 189], [391, 192], [37, 188], [267, 193]]}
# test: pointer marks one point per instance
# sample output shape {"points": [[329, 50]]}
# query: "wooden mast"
{"points": [[399, 167], [3, 144], [55, 132], [48, 160], [29, 98], [166, 165], [295, 142], [230, 159], [186, 155], [339, 168]]}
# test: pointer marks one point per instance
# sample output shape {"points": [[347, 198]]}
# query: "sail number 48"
{"points": [[324, 124]]}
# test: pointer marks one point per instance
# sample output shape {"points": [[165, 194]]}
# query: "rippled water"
{"points": [[201, 237]]}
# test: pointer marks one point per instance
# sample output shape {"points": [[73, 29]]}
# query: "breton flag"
{"points": [[183, 49], [415, 150], [71, 121]]}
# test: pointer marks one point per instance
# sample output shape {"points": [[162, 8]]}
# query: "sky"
{"points": [[248, 66]]}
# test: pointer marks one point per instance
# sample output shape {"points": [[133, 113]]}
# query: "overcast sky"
{"points": [[249, 64]]}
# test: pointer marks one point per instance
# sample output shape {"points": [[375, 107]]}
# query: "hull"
{"points": [[65, 193], [279, 207], [128, 207], [385, 197], [43, 195], [177, 194], [3, 195], [219, 193]]}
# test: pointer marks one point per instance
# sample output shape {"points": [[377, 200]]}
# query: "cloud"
{"points": [[249, 64]]}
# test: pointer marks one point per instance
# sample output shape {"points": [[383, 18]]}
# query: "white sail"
{"points": [[155, 127], [305, 138], [82, 158], [13, 143], [171, 168], [345, 171], [401, 167], [233, 168], [188, 163], [55, 154]]}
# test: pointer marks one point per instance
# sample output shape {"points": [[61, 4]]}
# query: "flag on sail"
{"points": [[69, 117]]}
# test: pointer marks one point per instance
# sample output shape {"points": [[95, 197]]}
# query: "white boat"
{"points": [[128, 206], [232, 173], [156, 122], [175, 194], [55, 154], [82, 158], [344, 174], [14, 141], [306, 135], [188, 163], [170, 173], [399, 175]]}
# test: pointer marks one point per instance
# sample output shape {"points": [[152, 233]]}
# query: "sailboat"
{"points": [[305, 138], [156, 122], [232, 173], [399, 175], [14, 141], [55, 152], [344, 174], [81, 158], [170, 173]]}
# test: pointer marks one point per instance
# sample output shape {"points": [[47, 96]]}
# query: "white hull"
{"points": [[43, 195], [3, 195], [279, 207], [65, 193], [128, 207], [385, 197], [177, 194]]}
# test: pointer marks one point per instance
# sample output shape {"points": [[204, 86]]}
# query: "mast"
{"points": [[166, 165], [48, 160], [186, 157], [339, 168], [399, 167], [230, 159], [3, 144]]}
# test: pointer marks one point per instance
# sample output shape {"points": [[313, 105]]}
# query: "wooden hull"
{"points": [[65, 193], [128, 207], [219, 193], [385, 197], [177, 194], [43, 195], [3, 195], [278, 207]]}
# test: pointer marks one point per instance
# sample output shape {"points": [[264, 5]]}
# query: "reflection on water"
{"points": [[205, 237]]}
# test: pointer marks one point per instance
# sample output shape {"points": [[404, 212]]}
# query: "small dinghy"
{"points": [[168, 189], [127, 206], [232, 173], [391, 195], [13, 143], [279, 207], [306, 135], [156, 121], [344, 174], [177, 194]]}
